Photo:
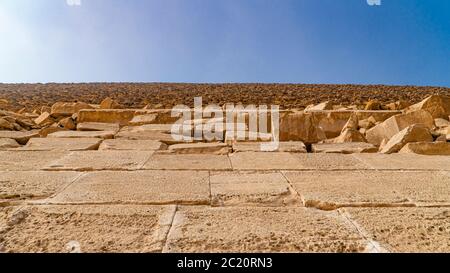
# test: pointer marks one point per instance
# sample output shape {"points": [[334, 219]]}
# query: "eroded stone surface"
{"points": [[344, 148], [20, 137], [406, 229], [289, 146], [98, 126], [86, 228], [62, 144], [246, 188], [83, 134], [330, 162], [8, 143], [137, 145], [188, 162], [26, 160], [101, 160], [265, 161], [203, 229], [331, 190], [33, 184], [200, 148], [147, 187], [405, 161]]}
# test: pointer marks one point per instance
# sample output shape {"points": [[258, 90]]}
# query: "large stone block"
{"points": [[344, 148], [413, 133], [437, 106], [251, 188], [135, 145], [62, 144], [204, 229], [27, 161], [200, 148], [406, 229], [118, 228], [83, 134], [20, 137], [100, 160], [22, 185], [188, 162], [98, 126], [61, 109], [123, 116], [300, 127], [427, 148], [333, 121], [395, 124], [139, 187]]}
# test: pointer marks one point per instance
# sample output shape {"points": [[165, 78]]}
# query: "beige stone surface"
{"points": [[101, 160], [33, 184], [265, 161], [395, 124], [427, 148], [121, 116], [147, 133], [251, 188], [287, 146], [406, 229], [200, 148], [344, 148], [261, 230], [331, 190], [62, 144], [143, 119], [139, 187], [137, 145], [188, 162], [330, 162], [89, 229], [83, 134], [20, 137], [413, 133], [98, 126], [7, 143], [301, 127], [26, 160], [437, 106], [61, 109], [405, 161]]}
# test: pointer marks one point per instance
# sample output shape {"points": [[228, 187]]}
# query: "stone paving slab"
{"points": [[251, 188], [33, 184], [240, 229], [26, 160], [100, 160], [135, 145], [406, 229], [265, 161], [330, 162], [66, 229], [20, 137], [288, 146], [405, 161], [188, 162], [146, 187], [83, 134], [62, 144], [344, 148], [331, 190]]}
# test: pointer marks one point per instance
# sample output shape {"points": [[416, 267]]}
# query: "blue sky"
{"points": [[402, 42]]}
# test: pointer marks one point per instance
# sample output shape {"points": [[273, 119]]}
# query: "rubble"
{"points": [[413, 133]]}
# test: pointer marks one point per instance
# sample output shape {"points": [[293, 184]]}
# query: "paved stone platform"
{"points": [[121, 199]]}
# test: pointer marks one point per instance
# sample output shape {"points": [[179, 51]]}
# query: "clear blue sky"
{"points": [[295, 41]]}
